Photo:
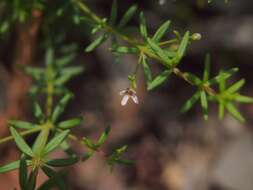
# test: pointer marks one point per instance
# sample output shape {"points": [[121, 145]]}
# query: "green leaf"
{"points": [[4, 26], [169, 52], [103, 136], [70, 123], [204, 104], [76, 19], [60, 11], [61, 162], [49, 56], [222, 76], [89, 143], [121, 150], [161, 31], [33, 91], [59, 109], [177, 34], [125, 162], [243, 99], [20, 142], [127, 16], [23, 173], [183, 45], [35, 73], [21, 124], [159, 51], [117, 153], [97, 28], [147, 70], [40, 142], [161, 78], [234, 112], [97, 42], [74, 70], [56, 178], [115, 157], [37, 111], [67, 73], [222, 83], [235, 87], [124, 49], [221, 110], [56, 141], [114, 12], [143, 26], [69, 49], [32, 180], [65, 60], [11, 166], [207, 68], [189, 103]]}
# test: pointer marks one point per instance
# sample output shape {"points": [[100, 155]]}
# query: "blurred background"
{"points": [[173, 151]]}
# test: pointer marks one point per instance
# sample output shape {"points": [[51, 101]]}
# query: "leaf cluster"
{"points": [[52, 132]]}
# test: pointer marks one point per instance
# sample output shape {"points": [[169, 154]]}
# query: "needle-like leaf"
{"points": [[160, 79], [161, 31], [159, 51], [146, 68], [61, 162], [56, 141], [127, 16], [56, 176], [183, 45], [189, 103], [143, 26], [70, 123], [59, 109], [9, 167], [103, 136], [234, 112], [114, 12], [97, 42], [20, 142], [204, 104], [235, 87], [222, 76], [243, 99], [23, 172], [21, 124]]}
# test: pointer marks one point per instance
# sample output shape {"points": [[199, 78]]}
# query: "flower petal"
{"points": [[124, 100], [135, 99], [122, 92]]}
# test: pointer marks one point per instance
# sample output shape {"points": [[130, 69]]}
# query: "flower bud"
{"points": [[196, 36]]}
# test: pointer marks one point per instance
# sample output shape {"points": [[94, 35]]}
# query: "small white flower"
{"points": [[128, 93]]}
